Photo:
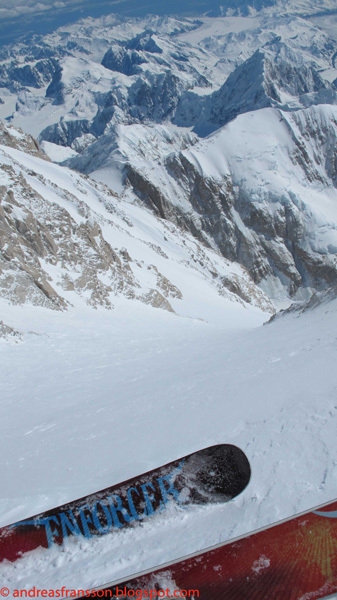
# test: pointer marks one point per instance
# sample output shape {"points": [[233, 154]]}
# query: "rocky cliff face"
{"points": [[277, 218], [14, 138], [64, 239], [36, 232]]}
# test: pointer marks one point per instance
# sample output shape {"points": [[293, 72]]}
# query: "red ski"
{"points": [[295, 559], [215, 474]]}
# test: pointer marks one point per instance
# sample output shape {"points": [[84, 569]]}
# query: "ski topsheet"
{"points": [[295, 559], [214, 474]]}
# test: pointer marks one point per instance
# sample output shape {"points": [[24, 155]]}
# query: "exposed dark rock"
{"points": [[23, 142], [65, 132], [56, 86], [144, 41], [123, 61], [155, 97]]}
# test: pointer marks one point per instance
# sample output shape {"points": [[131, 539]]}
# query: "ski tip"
{"points": [[217, 473]]}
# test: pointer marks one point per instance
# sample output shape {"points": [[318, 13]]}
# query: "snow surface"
{"points": [[96, 397], [57, 153]]}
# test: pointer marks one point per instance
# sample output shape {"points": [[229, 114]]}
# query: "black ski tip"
{"points": [[217, 474]]}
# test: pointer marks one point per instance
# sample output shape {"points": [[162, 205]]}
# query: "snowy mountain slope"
{"points": [[63, 236], [277, 74], [262, 190], [126, 109]]}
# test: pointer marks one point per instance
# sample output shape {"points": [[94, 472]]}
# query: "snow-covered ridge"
{"points": [[64, 237]]}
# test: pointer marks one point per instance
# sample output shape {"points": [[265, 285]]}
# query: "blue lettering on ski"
{"points": [[86, 520], [149, 498], [170, 490], [131, 505], [118, 512], [101, 528], [111, 512], [69, 524]]}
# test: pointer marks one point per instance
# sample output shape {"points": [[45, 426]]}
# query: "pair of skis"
{"points": [[292, 560]]}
